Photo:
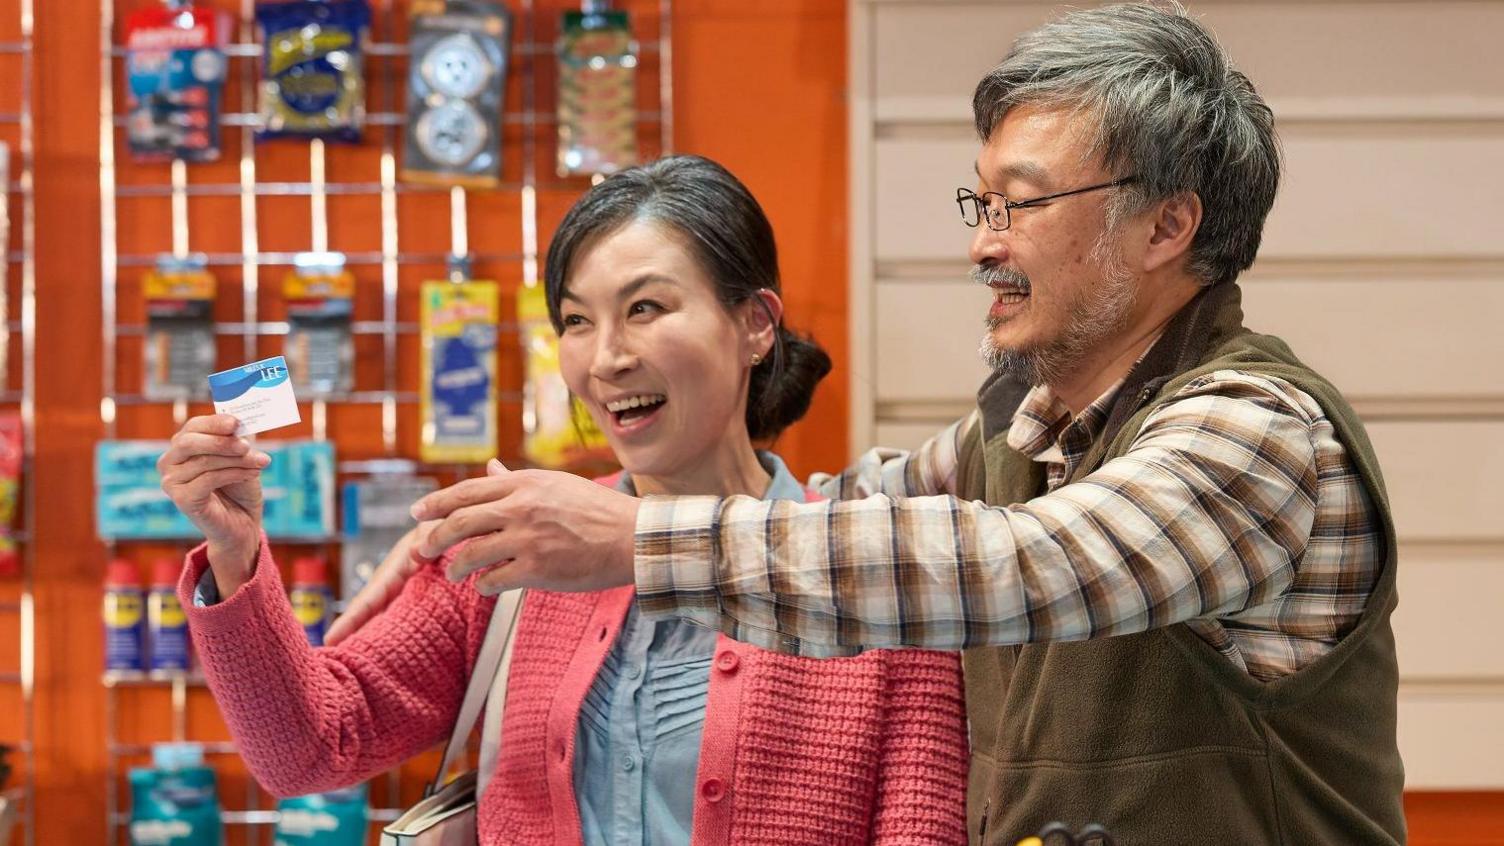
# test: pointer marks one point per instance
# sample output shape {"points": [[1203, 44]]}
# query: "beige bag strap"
{"points": [[491, 669]]}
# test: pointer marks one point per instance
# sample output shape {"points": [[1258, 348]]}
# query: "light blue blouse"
{"points": [[638, 744]]}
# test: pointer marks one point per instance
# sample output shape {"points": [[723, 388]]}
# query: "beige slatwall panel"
{"points": [[1391, 218]]}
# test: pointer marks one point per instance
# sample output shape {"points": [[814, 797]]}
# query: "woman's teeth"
{"points": [[618, 406]]}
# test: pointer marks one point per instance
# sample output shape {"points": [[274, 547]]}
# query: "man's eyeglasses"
{"points": [[998, 210]]}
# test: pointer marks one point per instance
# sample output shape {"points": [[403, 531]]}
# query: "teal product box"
{"points": [[297, 490], [337, 818], [174, 802], [129, 501]]}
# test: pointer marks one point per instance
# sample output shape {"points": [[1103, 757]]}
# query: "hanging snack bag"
{"points": [[175, 70], [458, 396], [557, 430], [454, 91], [12, 448], [313, 82], [179, 350], [597, 92], [320, 348]]}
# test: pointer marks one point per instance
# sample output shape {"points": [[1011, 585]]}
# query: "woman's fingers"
{"points": [[186, 471]]}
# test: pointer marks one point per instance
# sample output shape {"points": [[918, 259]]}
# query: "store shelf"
{"points": [[287, 259]]}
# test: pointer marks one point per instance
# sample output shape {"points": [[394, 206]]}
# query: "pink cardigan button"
{"points": [[714, 790], [727, 662]]}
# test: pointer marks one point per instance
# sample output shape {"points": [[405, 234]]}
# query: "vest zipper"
{"points": [[982, 827]]}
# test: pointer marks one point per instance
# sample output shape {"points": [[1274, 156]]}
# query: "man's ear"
{"points": [[1174, 228], [763, 314]]}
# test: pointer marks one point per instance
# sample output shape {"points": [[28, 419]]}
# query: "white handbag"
{"points": [[446, 814]]}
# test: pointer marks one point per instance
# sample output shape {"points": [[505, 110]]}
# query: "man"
{"points": [[1161, 540]]}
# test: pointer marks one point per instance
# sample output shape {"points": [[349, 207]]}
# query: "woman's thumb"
{"points": [[494, 467]]}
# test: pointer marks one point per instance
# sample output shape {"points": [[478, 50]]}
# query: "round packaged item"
{"points": [[456, 66], [452, 134]]}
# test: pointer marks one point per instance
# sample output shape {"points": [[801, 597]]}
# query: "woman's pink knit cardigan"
{"points": [[869, 749]]}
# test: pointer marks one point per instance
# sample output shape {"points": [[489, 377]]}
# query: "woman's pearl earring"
{"points": [[756, 359]]}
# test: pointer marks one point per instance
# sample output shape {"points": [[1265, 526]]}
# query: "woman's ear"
{"points": [[763, 313]]}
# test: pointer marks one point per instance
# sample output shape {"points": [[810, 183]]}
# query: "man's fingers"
{"points": [[465, 522], [439, 504], [480, 553], [503, 577], [494, 467]]}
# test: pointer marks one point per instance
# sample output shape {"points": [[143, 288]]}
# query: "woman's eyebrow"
{"points": [[628, 289]]}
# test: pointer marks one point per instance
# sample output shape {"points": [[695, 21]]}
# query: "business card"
{"points": [[258, 394]]}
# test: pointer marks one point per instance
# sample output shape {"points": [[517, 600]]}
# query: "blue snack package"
{"points": [[313, 83]]}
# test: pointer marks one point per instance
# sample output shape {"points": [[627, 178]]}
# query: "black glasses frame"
{"points": [[984, 208]]}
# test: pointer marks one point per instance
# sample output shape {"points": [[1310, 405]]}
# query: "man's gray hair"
{"points": [[1164, 105]]}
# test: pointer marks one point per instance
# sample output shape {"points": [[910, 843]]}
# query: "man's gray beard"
{"points": [[1097, 314]]}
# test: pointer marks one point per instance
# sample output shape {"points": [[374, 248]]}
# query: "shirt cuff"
{"points": [[206, 592], [675, 548]]}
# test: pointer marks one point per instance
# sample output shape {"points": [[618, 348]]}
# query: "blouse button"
{"points": [[727, 662], [714, 790]]}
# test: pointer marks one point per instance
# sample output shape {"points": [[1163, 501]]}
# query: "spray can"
{"points": [[311, 598], [124, 617], [165, 620]]}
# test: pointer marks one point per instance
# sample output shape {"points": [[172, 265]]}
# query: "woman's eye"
{"points": [[572, 320], [644, 307]]}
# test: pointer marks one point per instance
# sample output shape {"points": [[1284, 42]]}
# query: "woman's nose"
{"points": [[612, 356]]}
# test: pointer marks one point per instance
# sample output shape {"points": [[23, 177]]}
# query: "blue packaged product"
{"points": [[166, 623], [173, 802], [313, 83], [129, 501], [124, 617], [336, 818]]}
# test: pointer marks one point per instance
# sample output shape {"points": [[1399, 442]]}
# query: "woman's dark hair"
{"points": [[728, 234]]}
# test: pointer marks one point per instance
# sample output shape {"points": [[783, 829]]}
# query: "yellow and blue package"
{"points": [[597, 106], [457, 401], [175, 70], [557, 430], [320, 348], [179, 351], [455, 84], [313, 68]]}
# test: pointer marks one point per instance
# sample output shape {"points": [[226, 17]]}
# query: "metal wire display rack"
{"points": [[527, 122]]}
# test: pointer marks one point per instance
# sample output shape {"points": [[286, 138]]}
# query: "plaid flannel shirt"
{"points": [[1235, 510]]}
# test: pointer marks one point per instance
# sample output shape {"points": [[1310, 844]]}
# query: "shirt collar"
{"points": [[781, 485]]}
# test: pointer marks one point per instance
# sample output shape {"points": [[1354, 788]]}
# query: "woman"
{"points": [[663, 285]]}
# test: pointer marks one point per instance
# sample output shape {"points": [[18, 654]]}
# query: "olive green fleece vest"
{"points": [[1157, 735]]}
